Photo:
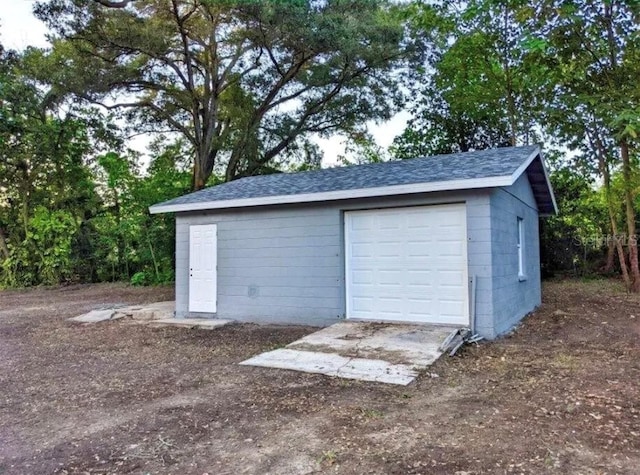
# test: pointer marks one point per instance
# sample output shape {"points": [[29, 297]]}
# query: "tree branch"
{"points": [[112, 4], [132, 105]]}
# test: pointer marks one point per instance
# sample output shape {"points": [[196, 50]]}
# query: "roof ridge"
{"points": [[382, 163]]}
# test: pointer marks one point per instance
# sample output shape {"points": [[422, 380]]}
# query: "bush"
{"points": [[140, 278]]}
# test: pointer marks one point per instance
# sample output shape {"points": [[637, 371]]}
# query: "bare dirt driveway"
{"points": [[561, 395]]}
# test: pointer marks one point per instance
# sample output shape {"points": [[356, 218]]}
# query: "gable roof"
{"points": [[458, 171]]}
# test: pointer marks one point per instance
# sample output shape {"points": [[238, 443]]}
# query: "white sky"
{"points": [[19, 29]]}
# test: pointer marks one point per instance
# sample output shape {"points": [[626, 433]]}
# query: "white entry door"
{"points": [[203, 262], [408, 264]]}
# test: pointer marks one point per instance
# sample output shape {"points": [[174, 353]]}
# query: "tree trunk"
{"points": [[621, 253], [630, 216], [121, 245], [4, 249], [606, 178], [25, 191], [199, 179], [511, 103], [203, 164], [611, 257]]}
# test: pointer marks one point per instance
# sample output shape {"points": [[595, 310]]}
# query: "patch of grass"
{"points": [[598, 284], [369, 413], [453, 383], [565, 361], [328, 457]]}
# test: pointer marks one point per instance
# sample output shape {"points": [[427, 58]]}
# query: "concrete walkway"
{"points": [[386, 353]]}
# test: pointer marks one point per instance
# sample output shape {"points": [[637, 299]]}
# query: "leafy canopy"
{"points": [[245, 83]]}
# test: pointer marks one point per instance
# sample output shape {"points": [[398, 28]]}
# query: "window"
{"points": [[520, 244]]}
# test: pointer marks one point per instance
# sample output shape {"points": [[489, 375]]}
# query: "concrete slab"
{"points": [[158, 314], [202, 323], [332, 364], [95, 316], [383, 352], [151, 311], [147, 312]]}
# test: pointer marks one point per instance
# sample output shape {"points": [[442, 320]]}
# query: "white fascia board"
{"points": [[450, 185], [521, 169]]}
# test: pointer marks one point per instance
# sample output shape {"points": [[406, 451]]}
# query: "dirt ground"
{"points": [[560, 395]]}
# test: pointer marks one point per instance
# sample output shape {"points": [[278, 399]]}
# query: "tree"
{"points": [[130, 243], [592, 51], [574, 239], [480, 88], [242, 82], [46, 190]]}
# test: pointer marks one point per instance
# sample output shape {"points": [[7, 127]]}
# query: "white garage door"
{"points": [[408, 264]]}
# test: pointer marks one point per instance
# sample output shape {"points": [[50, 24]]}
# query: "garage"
{"points": [[444, 240], [407, 264]]}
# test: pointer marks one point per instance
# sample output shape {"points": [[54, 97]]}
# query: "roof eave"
{"points": [[548, 180], [537, 153], [449, 185]]}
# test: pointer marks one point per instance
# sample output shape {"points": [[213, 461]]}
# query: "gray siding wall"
{"points": [[285, 264], [513, 297]]}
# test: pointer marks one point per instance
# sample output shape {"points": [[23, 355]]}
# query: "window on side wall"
{"points": [[520, 244]]}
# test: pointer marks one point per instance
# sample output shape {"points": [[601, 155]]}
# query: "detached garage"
{"points": [[450, 239]]}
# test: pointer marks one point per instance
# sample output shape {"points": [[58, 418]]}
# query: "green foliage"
{"points": [[511, 72], [364, 149], [130, 241], [243, 87], [479, 88], [574, 241], [45, 255], [68, 212], [244, 83], [140, 278]]}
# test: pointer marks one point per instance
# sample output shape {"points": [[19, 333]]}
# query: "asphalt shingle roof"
{"points": [[439, 168]]}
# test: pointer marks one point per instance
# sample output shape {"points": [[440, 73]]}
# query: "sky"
{"points": [[19, 29]]}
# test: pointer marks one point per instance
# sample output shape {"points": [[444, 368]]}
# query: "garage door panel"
{"points": [[389, 304], [420, 221], [450, 308], [362, 277], [451, 278], [390, 277], [364, 249], [419, 277], [420, 307], [362, 222], [449, 295], [388, 249], [363, 304], [419, 249], [450, 249], [407, 264], [390, 222]]}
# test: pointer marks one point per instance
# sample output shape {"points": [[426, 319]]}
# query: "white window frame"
{"points": [[520, 244]]}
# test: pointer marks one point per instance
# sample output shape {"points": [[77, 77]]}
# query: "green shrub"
{"points": [[140, 278]]}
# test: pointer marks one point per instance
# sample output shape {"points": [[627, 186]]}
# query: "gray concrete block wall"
{"points": [[274, 265], [285, 264], [513, 297]]}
